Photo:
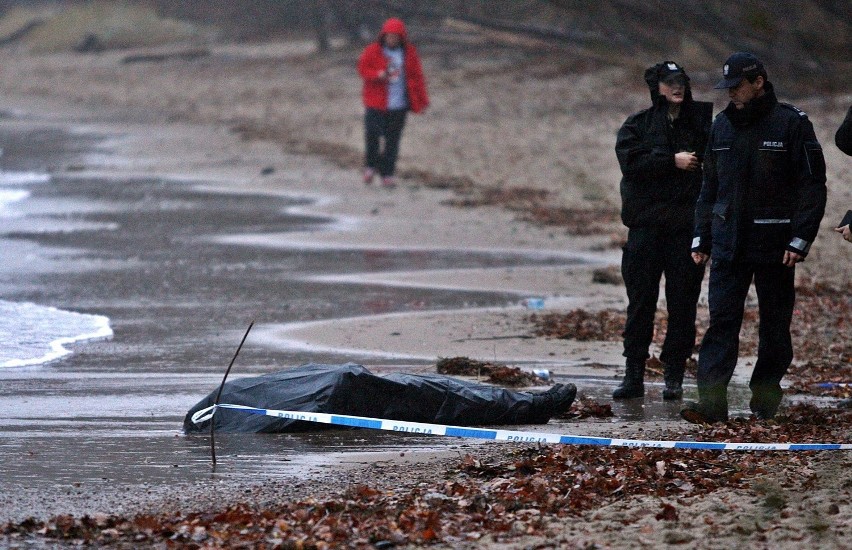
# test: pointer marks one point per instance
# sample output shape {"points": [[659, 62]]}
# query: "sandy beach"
{"points": [[222, 121]]}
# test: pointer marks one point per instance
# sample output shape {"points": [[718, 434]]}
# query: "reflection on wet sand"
{"points": [[142, 252]]}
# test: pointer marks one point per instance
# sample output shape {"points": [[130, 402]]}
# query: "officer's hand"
{"points": [[791, 258], [687, 161], [700, 258], [845, 231]]}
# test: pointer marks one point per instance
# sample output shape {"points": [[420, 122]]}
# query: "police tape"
{"points": [[509, 435]]}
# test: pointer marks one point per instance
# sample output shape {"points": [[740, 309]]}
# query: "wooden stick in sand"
{"points": [[219, 395]]}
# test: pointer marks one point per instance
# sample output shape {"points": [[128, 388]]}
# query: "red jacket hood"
{"points": [[395, 26]]}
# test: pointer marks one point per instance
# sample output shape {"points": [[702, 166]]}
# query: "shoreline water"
{"points": [[27, 329], [34, 334], [78, 436]]}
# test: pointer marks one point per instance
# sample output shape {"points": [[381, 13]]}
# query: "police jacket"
{"points": [[654, 192], [843, 137], [764, 183]]}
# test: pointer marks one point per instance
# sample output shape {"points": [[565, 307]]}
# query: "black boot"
{"points": [[765, 399], [712, 406], [633, 384], [555, 401], [674, 381]]}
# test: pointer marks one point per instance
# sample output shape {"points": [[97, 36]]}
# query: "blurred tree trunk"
{"points": [[357, 22], [319, 16]]}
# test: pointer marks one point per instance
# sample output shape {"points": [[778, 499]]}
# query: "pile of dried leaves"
{"points": [[579, 324], [820, 378], [496, 374], [517, 493], [820, 330], [536, 206], [515, 198], [590, 221], [821, 339], [606, 325], [588, 408], [532, 205]]}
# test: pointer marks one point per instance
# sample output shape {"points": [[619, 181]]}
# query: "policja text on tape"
{"points": [[510, 435]]}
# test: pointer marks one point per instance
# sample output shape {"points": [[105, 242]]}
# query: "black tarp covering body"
{"points": [[352, 389]]}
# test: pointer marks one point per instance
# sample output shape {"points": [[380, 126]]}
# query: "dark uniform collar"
{"points": [[754, 110]]}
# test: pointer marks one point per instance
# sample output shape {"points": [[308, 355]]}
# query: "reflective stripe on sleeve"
{"points": [[800, 244]]}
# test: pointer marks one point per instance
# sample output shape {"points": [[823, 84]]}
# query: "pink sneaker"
{"points": [[369, 174], [389, 181]]}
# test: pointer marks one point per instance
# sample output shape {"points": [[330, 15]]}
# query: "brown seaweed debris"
{"points": [[496, 374]]}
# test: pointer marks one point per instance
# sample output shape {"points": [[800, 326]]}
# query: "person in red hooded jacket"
{"points": [[393, 85]]}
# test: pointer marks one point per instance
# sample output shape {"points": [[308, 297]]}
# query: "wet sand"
{"points": [[152, 249], [181, 267]]}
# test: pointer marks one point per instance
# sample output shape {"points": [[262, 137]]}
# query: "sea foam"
{"points": [[33, 334]]}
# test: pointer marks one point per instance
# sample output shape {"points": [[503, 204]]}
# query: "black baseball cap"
{"points": [[668, 70], [737, 67]]}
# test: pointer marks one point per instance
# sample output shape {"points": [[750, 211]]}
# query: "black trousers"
{"points": [[776, 295], [649, 253], [385, 125]]}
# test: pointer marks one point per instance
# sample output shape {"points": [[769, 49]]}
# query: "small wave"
{"points": [[22, 178], [34, 334], [8, 196], [16, 179]]}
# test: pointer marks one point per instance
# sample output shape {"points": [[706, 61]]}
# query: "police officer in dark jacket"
{"points": [[759, 210], [660, 151], [843, 140], [843, 137]]}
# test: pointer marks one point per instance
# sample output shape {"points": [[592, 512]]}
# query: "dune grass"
{"points": [[115, 24]]}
